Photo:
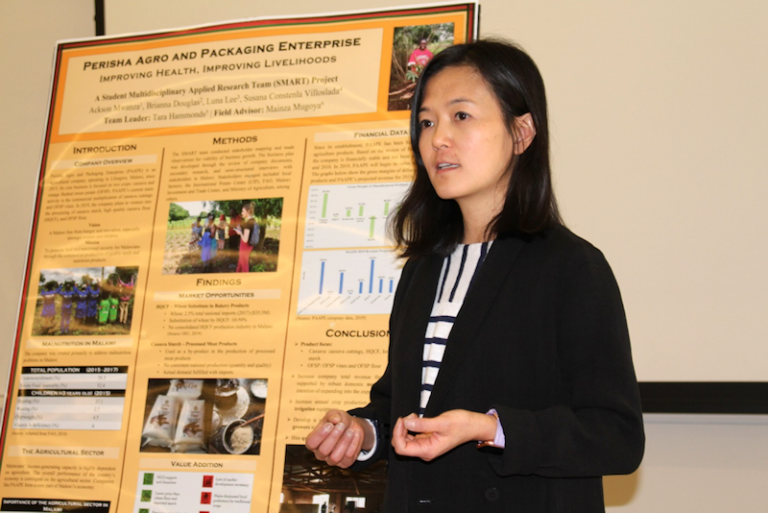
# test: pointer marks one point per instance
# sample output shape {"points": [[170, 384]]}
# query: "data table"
{"points": [[73, 398]]}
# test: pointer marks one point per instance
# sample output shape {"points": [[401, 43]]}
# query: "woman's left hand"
{"points": [[428, 438]]}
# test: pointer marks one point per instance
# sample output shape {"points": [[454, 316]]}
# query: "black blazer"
{"points": [[541, 337]]}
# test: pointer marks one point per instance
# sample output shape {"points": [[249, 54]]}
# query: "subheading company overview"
{"points": [[282, 46]]}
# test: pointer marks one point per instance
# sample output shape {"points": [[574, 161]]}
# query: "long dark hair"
{"points": [[425, 224]]}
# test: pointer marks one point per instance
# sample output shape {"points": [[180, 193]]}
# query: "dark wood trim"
{"points": [[704, 397], [99, 17]]}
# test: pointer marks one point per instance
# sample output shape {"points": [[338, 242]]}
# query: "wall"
{"points": [[696, 464], [28, 31], [657, 113], [658, 116]]}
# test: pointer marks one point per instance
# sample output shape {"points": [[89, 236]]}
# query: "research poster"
{"points": [[209, 268]]}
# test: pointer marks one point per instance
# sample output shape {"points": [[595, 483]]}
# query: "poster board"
{"points": [[149, 374]]}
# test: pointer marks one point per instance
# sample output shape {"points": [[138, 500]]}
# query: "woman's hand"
{"points": [[429, 438], [338, 438]]}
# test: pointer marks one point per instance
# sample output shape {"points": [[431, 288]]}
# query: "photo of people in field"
{"points": [[412, 48], [89, 301], [225, 236]]}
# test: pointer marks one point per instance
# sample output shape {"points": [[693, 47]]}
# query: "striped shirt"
{"points": [[459, 269]]}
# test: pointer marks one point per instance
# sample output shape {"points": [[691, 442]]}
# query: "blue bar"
{"points": [[391, 282], [322, 272], [381, 285], [370, 285], [341, 282], [361, 287]]}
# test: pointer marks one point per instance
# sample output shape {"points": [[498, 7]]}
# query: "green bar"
{"points": [[373, 222], [349, 212], [361, 210], [325, 203], [386, 207]]}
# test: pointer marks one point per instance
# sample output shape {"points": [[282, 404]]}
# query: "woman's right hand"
{"points": [[338, 438]]}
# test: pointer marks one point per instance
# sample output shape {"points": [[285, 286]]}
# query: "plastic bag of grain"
{"points": [[190, 433], [161, 424]]}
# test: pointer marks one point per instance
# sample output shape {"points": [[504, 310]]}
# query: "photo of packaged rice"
{"points": [[204, 416]]}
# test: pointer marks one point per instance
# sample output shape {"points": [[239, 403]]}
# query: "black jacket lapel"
{"points": [[411, 328], [480, 297]]}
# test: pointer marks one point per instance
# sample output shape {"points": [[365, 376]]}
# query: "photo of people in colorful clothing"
{"points": [[412, 48], [90, 301], [229, 236]]}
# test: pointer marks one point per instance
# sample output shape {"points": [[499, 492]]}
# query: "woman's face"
{"points": [[465, 143], [244, 213]]}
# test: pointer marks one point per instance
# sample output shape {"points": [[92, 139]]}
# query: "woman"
{"points": [[205, 247], [197, 233], [234, 221], [81, 309], [113, 304], [210, 229], [66, 293], [212, 242], [125, 291], [104, 307], [244, 229], [48, 312], [221, 231], [510, 384], [93, 301]]}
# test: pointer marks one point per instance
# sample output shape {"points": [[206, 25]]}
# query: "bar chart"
{"points": [[350, 215], [361, 281]]}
